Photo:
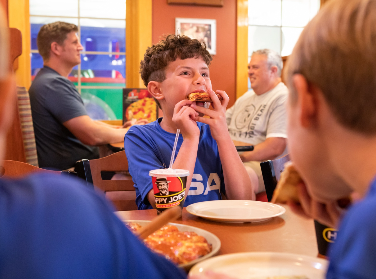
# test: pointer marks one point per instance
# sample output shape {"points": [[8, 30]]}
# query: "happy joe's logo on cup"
{"points": [[169, 187], [168, 191]]}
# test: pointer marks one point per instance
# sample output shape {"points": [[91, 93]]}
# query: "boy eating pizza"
{"points": [[171, 70]]}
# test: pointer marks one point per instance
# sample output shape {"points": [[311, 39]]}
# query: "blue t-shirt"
{"points": [[353, 255], [56, 227], [55, 100], [149, 147]]}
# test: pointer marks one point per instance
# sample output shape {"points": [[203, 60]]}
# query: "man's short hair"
{"points": [[53, 32], [337, 53], [158, 56], [272, 58], [4, 47]]}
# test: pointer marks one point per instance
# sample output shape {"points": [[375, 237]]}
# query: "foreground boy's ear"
{"points": [[306, 101], [155, 90]]}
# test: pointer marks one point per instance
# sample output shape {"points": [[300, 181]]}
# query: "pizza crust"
{"points": [[286, 188], [202, 97]]}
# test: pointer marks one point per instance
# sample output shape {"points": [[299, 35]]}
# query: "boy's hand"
{"points": [[217, 116], [326, 213], [184, 118]]}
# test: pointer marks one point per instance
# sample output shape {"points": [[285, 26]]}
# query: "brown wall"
{"points": [[223, 67]]}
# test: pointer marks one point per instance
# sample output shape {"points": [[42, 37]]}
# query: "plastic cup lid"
{"points": [[169, 172]]}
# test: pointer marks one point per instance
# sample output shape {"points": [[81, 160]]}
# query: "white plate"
{"points": [[211, 238], [261, 265], [236, 210]]}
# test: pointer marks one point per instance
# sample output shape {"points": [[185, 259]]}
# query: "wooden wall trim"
{"points": [[242, 48], [19, 17], [139, 37]]}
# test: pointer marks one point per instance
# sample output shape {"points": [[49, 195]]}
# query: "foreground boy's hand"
{"points": [[217, 116], [325, 213]]}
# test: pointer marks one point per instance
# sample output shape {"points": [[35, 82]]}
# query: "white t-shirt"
{"points": [[253, 118]]}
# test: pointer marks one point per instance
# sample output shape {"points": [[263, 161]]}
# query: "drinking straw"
{"points": [[174, 149]]}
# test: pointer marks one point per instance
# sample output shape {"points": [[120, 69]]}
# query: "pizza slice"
{"points": [[286, 188], [202, 97]]}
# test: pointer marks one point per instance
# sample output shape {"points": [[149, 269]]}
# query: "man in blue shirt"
{"points": [[64, 133]]}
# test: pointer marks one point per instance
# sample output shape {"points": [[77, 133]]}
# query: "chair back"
{"points": [[15, 169], [27, 127], [271, 172], [100, 172], [21, 139]]}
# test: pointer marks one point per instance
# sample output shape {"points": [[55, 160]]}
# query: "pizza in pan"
{"points": [[145, 108], [179, 247]]}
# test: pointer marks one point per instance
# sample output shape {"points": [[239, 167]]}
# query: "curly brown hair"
{"points": [[53, 32], [172, 47]]}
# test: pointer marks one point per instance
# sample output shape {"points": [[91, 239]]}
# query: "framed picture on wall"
{"points": [[204, 30]]}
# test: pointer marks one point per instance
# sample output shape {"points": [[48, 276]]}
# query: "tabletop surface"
{"points": [[287, 233]]}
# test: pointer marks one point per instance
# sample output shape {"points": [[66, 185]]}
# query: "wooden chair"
{"points": [[271, 171], [15, 169], [26, 126], [99, 172]]}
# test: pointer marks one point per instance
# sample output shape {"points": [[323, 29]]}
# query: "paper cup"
{"points": [[325, 236], [169, 187]]}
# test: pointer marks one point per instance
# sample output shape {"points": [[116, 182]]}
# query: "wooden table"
{"points": [[288, 233]]}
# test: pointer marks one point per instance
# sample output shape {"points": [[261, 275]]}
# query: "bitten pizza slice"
{"points": [[202, 97], [286, 188]]}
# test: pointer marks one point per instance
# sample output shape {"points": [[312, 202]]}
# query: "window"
{"points": [[100, 77], [277, 24]]}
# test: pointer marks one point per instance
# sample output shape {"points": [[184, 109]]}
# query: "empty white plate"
{"points": [[264, 265], [235, 210]]}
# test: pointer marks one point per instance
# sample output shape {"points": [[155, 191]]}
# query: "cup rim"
{"points": [[164, 173]]}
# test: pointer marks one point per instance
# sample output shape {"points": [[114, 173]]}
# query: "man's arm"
{"points": [[90, 132], [270, 149], [127, 124]]}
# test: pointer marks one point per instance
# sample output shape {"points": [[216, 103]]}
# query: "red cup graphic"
{"points": [[169, 187]]}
